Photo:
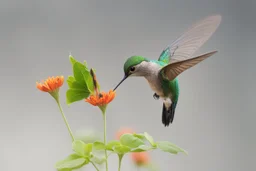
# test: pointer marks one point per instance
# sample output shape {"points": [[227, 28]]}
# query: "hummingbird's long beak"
{"points": [[126, 76]]}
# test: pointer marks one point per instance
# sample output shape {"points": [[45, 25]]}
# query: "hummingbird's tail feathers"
{"points": [[168, 113]]}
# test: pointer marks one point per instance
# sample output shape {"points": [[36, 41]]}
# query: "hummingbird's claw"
{"points": [[156, 97]]}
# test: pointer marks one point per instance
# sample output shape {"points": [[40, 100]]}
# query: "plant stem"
{"points": [[95, 166], [120, 156], [65, 120], [105, 139]]}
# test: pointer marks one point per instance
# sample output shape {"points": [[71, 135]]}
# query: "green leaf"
{"points": [[79, 147], [141, 148], [64, 169], [70, 80], [88, 149], [111, 144], [71, 162], [79, 71], [98, 145], [121, 149], [81, 83], [169, 147], [140, 136], [83, 76], [73, 84], [131, 141], [98, 158], [72, 59], [150, 139], [89, 81], [74, 95]]}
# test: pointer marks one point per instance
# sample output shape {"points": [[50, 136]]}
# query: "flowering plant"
{"points": [[83, 85]]}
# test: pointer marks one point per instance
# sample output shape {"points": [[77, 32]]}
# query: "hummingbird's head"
{"points": [[133, 67]]}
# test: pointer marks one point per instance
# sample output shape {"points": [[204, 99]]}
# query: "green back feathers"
{"points": [[132, 61], [165, 56]]}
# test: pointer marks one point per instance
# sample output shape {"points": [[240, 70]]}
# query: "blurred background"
{"points": [[214, 119]]}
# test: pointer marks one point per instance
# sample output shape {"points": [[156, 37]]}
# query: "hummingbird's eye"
{"points": [[132, 69]]}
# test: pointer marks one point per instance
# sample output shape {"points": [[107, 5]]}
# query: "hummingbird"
{"points": [[162, 74]]}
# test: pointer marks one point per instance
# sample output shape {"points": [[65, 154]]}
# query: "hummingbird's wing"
{"points": [[172, 70], [186, 45]]}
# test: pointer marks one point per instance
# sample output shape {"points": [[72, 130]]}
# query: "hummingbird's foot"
{"points": [[156, 97]]}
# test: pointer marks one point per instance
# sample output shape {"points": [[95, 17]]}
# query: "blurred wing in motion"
{"points": [[186, 45], [171, 71]]}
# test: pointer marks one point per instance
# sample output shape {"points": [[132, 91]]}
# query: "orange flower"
{"points": [[140, 158], [101, 99], [124, 131], [51, 84]]}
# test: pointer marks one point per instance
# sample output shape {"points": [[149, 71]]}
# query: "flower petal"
{"points": [[102, 99], [51, 84]]}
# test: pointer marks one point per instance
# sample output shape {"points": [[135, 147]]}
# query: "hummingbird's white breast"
{"points": [[151, 73]]}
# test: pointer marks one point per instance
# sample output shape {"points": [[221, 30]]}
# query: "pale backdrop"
{"points": [[215, 116]]}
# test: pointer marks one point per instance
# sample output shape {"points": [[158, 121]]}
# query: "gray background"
{"points": [[214, 119]]}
